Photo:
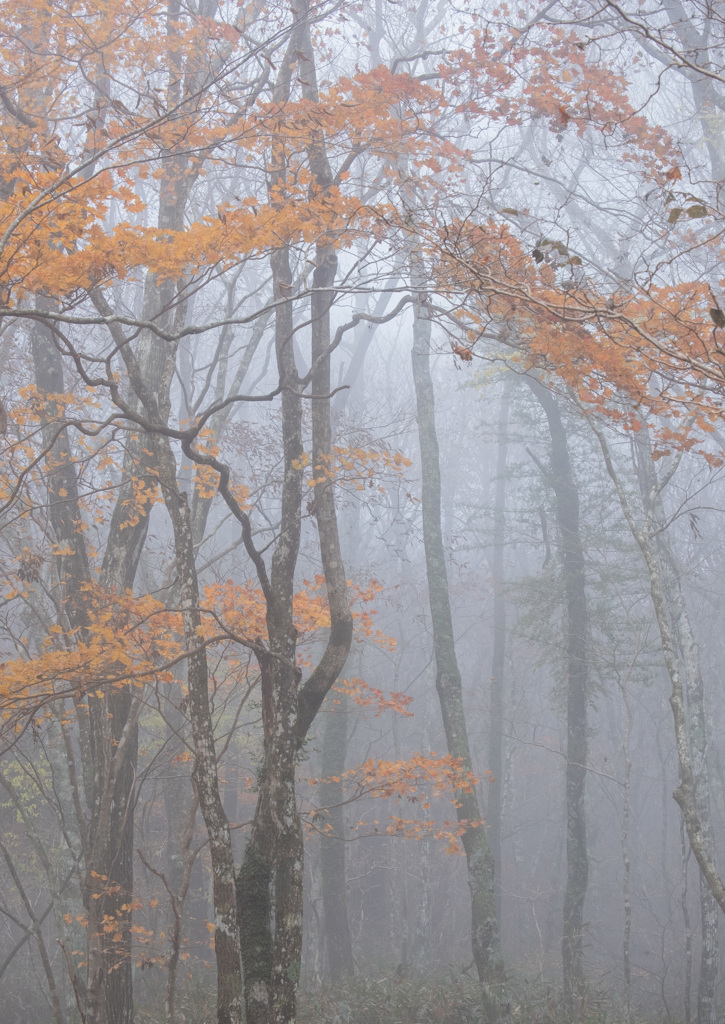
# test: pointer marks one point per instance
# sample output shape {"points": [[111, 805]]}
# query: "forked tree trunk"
{"points": [[479, 861], [270, 878], [271, 875]]}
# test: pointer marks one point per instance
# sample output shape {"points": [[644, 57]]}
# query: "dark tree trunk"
{"points": [[267, 869], [274, 853]]}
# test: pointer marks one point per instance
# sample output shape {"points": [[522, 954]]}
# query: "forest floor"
{"points": [[413, 997]]}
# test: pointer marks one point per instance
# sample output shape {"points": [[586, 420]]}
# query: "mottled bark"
{"points": [[230, 987], [681, 658], [275, 842], [268, 866], [484, 923], [685, 852]]}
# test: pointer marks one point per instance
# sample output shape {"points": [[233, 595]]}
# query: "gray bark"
{"points": [[498, 660], [338, 940], [272, 869], [686, 698], [577, 673], [484, 923], [230, 986], [673, 605]]}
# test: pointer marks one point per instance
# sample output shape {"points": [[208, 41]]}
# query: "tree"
{"points": [[484, 922], [577, 696], [687, 697], [185, 201]]}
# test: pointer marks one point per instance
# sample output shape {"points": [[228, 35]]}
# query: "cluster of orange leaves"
{"points": [[135, 639], [402, 780], [415, 780], [241, 608], [369, 697], [148, 943], [55, 223], [127, 639], [606, 349], [358, 466]]}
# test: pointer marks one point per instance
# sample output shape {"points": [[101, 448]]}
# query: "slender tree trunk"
{"points": [[275, 841], [710, 947], [338, 941], [423, 935], [498, 660], [271, 874], [687, 988], [626, 870], [686, 661], [681, 658], [484, 923], [577, 668], [230, 990]]}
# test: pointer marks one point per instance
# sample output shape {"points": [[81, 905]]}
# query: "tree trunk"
{"points": [[272, 870], [108, 732], [484, 923], [230, 989], [626, 868], [681, 658], [338, 941], [686, 661], [687, 988], [498, 660], [577, 672]]}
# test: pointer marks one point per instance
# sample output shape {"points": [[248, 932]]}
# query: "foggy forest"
{"points": [[362, 430]]}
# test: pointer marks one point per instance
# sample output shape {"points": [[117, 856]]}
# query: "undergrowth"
{"points": [[404, 998], [451, 997]]}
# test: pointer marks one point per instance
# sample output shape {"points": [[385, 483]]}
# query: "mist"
{"points": [[361, 495]]}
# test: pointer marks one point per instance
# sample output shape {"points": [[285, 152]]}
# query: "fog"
{"points": [[361, 503]]}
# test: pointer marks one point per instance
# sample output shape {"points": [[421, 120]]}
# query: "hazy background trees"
{"points": [[244, 541]]}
